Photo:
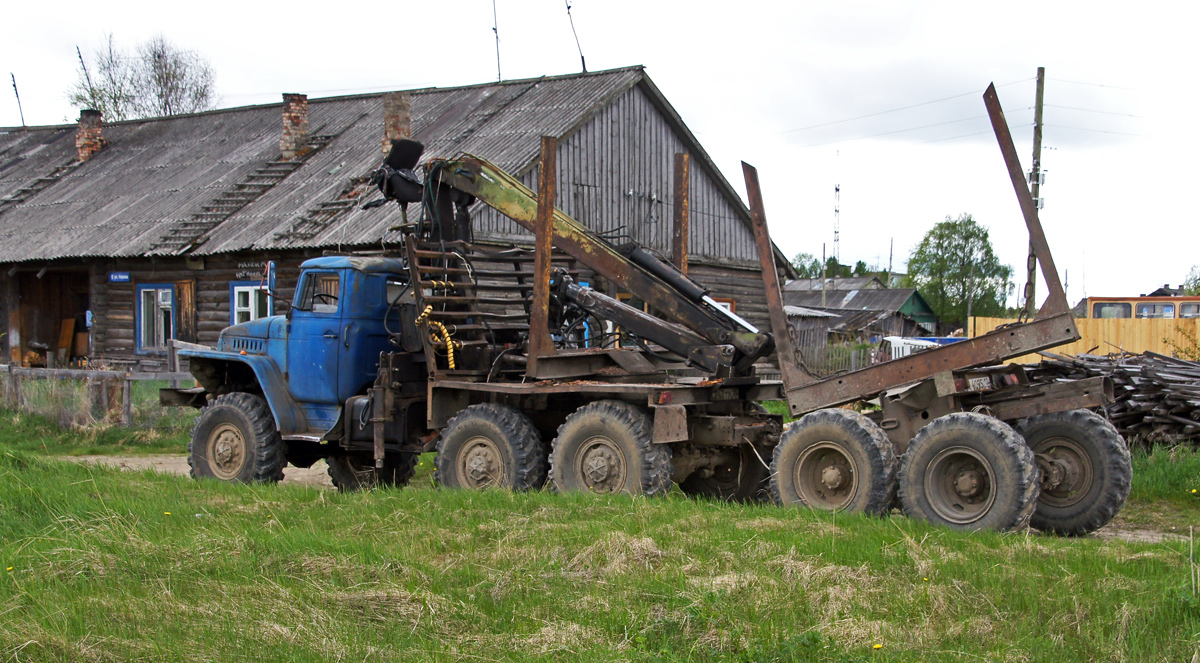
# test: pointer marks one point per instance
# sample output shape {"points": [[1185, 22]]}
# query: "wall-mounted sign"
{"points": [[253, 271], [118, 277]]}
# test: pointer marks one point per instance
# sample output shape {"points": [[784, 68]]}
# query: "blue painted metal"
{"points": [[309, 363], [290, 417], [313, 342]]}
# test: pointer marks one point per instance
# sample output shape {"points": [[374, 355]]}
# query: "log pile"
{"points": [[1157, 398]]}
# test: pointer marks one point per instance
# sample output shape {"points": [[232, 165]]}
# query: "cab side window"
{"points": [[320, 293]]}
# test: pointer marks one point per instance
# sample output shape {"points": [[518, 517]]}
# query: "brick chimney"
{"points": [[294, 140], [397, 122], [88, 140]]}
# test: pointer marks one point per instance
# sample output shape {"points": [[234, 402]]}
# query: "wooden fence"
{"points": [[1107, 335], [102, 379]]}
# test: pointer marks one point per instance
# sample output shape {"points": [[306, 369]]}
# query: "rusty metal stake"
{"points": [[540, 342], [682, 208], [788, 368]]}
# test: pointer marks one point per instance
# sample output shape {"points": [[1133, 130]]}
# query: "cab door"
{"points": [[314, 340]]}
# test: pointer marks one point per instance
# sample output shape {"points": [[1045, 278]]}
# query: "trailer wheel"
{"points": [[606, 447], [968, 471], [490, 446], [357, 471], [1085, 471], [235, 440], [837, 460], [742, 480]]}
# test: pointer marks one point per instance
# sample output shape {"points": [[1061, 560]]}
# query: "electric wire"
{"points": [[896, 110], [1089, 110]]}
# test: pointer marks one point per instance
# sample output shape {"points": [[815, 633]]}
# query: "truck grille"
{"points": [[250, 345]]}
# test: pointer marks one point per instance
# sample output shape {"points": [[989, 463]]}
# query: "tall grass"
{"points": [[124, 566], [65, 417], [80, 403]]}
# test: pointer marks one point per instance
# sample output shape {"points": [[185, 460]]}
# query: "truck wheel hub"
{"points": [[1066, 471], [967, 483], [601, 465], [226, 451], [832, 477], [481, 463]]}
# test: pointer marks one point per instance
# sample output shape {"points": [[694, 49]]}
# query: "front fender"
{"points": [[289, 417]]}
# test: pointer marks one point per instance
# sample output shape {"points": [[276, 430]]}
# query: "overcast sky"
{"points": [[807, 92]]}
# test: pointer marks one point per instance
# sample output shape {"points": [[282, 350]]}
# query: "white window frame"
{"points": [[254, 309], [160, 298]]}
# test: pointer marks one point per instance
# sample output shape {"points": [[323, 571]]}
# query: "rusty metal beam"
{"points": [[786, 352], [1056, 300], [682, 209], [991, 348], [540, 342]]}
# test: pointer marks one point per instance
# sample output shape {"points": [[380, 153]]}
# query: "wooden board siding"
{"points": [[1108, 335], [617, 171], [743, 286]]}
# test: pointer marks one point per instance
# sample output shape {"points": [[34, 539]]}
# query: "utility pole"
{"points": [[823, 280], [891, 249], [1035, 181]]}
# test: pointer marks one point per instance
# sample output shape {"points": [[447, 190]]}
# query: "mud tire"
{"points": [[853, 449], [974, 448], [490, 446], [235, 440], [353, 472], [614, 440], [1101, 487]]}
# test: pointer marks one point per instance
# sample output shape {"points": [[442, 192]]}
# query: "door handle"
{"points": [[346, 336], [329, 334]]}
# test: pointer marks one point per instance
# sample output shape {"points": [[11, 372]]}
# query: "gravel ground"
{"points": [[317, 475]]}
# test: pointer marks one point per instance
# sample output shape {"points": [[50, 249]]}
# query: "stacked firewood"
{"points": [[1157, 398]]}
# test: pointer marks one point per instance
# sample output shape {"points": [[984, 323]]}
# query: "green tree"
{"points": [[954, 266], [1191, 285], [807, 266], [836, 270], [158, 79]]}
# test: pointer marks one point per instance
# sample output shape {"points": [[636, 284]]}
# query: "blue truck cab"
{"points": [[289, 377]]}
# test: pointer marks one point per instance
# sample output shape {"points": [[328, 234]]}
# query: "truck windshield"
{"points": [[320, 293]]}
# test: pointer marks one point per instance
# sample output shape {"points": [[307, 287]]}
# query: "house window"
{"points": [[726, 303], [155, 316], [249, 300]]}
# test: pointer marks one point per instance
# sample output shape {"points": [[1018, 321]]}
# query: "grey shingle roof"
{"points": [[156, 173], [848, 283], [870, 300]]}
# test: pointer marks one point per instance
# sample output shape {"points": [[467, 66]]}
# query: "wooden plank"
{"points": [[185, 310], [1111, 335]]}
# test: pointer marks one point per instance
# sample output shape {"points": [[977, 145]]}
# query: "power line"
{"points": [[1110, 87], [896, 110], [938, 140], [1089, 110], [898, 131], [1099, 131]]}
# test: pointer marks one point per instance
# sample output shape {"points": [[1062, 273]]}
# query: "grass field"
{"points": [[109, 565]]}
